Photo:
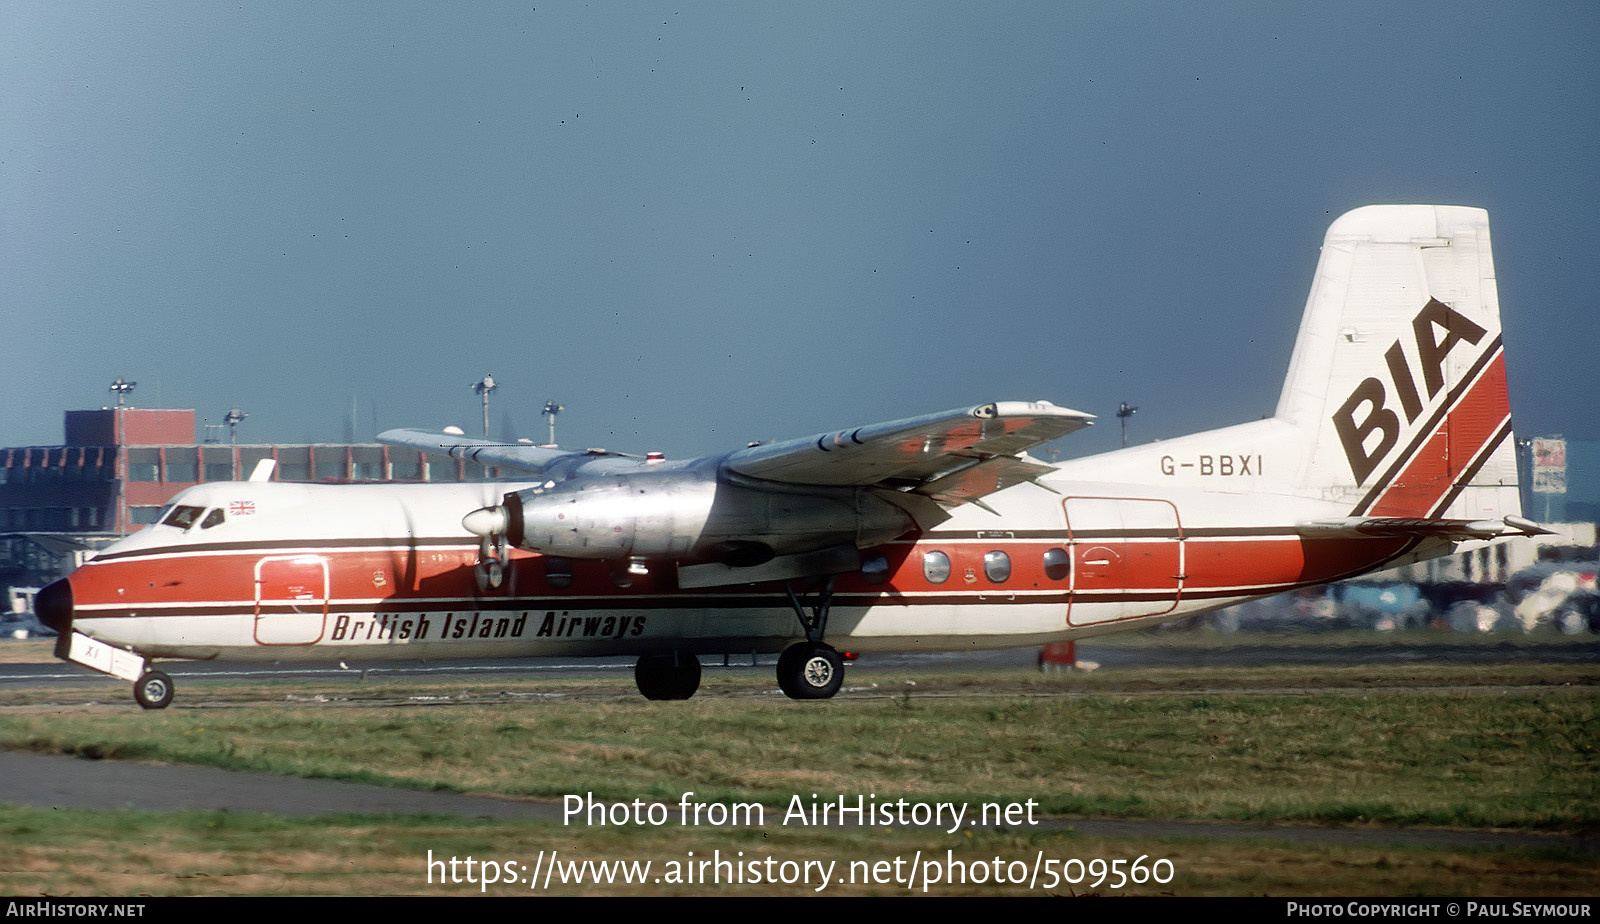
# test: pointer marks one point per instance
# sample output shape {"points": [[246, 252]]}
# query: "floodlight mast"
{"points": [[1124, 412], [483, 388], [551, 409], [233, 418], [122, 389]]}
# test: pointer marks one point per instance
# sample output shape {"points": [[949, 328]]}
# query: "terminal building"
{"points": [[119, 466]]}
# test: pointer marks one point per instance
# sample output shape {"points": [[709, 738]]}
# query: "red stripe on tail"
{"points": [[1464, 434]]}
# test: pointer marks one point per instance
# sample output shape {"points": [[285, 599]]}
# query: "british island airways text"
{"points": [[387, 627]]}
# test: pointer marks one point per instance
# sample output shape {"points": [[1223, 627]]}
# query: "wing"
{"points": [[953, 456], [534, 460]]}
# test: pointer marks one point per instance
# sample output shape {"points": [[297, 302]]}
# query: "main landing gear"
{"points": [[667, 675], [811, 669]]}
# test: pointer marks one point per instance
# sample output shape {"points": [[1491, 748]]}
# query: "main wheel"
{"points": [[667, 675], [810, 670], [154, 690]]}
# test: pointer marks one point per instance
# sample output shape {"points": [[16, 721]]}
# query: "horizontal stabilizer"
{"points": [[1400, 527]]}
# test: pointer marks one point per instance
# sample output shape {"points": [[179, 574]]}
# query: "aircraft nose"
{"points": [[53, 606]]}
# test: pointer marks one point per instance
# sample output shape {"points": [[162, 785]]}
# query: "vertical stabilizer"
{"points": [[1399, 374]]}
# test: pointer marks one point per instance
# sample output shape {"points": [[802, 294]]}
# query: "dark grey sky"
{"points": [[698, 224]]}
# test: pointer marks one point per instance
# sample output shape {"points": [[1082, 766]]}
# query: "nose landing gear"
{"points": [[153, 690]]}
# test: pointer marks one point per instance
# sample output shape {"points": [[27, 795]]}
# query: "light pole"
{"points": [[122, 389], [233, 418], [483, 388], [1125, 411], [551, 409]]}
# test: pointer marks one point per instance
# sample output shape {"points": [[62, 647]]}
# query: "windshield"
{"points": [[183, 517]]}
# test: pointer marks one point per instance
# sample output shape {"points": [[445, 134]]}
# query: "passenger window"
{"points": [[183, 517], [875, 569], [936, 567], [997, 566], [1057, 564], [214, 518]]}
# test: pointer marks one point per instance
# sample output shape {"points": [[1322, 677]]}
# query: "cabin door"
{"points": [[1127, 558], [291, 600]]}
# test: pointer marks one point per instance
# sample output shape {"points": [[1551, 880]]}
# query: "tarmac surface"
{"points": [[53, 781]]}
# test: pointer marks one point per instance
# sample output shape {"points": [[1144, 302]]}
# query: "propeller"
{"points": [[489, 525]]}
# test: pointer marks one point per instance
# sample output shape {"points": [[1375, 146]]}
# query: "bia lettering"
{"points": [[1370, 398]]}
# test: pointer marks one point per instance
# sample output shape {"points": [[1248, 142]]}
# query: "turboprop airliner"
{"points": [[1391, 443]]}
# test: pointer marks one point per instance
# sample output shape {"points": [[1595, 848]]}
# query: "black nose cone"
{"points": [[53, 606]]}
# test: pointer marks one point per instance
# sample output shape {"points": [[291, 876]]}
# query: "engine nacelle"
{"points": [[686, 516]]}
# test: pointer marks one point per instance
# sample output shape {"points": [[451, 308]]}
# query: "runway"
{"points": [[52, 674]]}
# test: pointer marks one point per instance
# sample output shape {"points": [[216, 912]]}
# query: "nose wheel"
{"points": [[153, 690]]}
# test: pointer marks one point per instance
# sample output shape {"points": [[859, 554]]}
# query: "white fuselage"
{"points": [[387, 571]]}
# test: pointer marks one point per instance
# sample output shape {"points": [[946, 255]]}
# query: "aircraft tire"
{"points": [[154, 690], [810, 670], [668, 675]]}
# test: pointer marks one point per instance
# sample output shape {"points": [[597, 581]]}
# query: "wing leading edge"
{"points": [[534, 460]]}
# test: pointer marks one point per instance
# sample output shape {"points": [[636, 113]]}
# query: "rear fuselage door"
{"points": [[1127, 556]]}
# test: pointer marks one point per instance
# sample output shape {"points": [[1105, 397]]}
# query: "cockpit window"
{"points": [[214, 518], [183, 517]]}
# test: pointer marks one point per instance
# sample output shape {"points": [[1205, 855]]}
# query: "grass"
{"points": [[132, 853], [1387, 746], [1369, 745]]}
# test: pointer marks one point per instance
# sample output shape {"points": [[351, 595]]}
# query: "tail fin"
{"points": [[1395, 406], [1399, 373]]}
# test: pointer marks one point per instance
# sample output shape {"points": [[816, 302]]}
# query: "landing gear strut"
{"points": [[667, 675], [811, 669], [153, 690]]}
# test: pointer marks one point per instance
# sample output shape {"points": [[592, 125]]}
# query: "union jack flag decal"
{"points": [[243, 508]]}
